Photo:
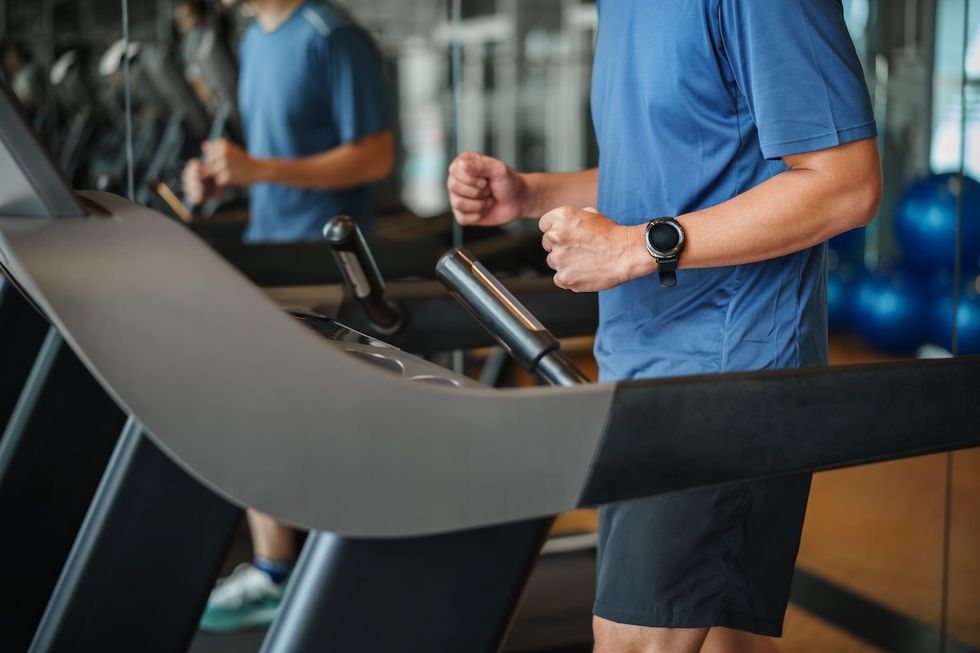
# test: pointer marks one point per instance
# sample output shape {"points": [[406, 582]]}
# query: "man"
{"points": [[747, 126], [312, 99]]}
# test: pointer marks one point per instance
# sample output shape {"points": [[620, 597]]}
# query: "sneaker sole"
{"points": [[258, 619]]}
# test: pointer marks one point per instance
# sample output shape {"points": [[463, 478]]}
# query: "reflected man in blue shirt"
{"points": [[318, 134], [317, 124]]}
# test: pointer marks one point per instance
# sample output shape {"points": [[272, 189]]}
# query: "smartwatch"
{"points": [[665, 241]]}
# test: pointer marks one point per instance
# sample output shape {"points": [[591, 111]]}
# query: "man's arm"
{"points": [[485, 191], [551, 189], [356, 163], [823, 194]]}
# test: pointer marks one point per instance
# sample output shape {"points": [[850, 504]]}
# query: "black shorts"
{"points": [[721, 556]]}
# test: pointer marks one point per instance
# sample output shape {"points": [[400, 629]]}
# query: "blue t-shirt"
{"points": [[694, 102], [313, 83]]}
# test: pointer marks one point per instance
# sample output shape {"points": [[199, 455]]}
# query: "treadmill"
{"points": [[375, 455]]}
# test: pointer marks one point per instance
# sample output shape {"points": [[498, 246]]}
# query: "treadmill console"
{"points": [[382, 355]]}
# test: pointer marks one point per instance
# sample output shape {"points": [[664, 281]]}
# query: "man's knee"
{"points": [[612, 637]]}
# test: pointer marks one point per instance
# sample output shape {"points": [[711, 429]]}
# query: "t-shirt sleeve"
{"points": [[357, 90], [796, 65]]}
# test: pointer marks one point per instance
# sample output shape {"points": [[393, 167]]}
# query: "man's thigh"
{"points": [[721, 556]]}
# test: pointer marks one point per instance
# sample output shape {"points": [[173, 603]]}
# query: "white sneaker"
{"points": [[246, 599]]}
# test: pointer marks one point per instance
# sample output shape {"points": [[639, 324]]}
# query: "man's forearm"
{"points": [[345, 166], [548, 190], [790, 212]]}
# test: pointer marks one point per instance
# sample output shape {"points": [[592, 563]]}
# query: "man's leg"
{"points": [[612, 637], [271, 539], [674, 566], [251, 595], [726, 640]]}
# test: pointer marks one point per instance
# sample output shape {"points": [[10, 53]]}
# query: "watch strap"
{"points": [[667, 269]]}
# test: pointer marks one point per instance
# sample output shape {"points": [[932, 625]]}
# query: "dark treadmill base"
{"points": [[554, 615], [144, 561], [51, 460], [22, 330], [448, 592]]}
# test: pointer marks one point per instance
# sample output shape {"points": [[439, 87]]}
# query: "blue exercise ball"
{"points": [[841, 282], [967, 319], [891, 312], [849, 245], [925, 222]]}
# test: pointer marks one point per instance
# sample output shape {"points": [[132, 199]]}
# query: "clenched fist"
{"points": [[197, 185], [588, 251], [484, 191], [229, 164]]}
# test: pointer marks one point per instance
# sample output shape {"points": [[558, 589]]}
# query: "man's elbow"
{"points": [[861, 184], [386, 162], [866, 198], [382, 157]]}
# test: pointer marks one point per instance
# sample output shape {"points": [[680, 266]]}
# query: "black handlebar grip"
{"points": [[506, 319], [361, 274]]}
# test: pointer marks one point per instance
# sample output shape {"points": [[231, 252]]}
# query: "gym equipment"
{"points": [[967, 319], [214, 74], [849, 245], [361, 274], [891, 311], [108, 159], [578, 455], [840, 298], [514, 327], [925, 221], [186, 124], [24, 76], [76, 98], [307, 263], [118, 522], [209, 370], [467, 583], [21, 333], [47, 480], [395, 482], [143, 503]]}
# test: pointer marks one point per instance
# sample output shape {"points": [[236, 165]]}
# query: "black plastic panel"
{"points": [[21, 331], [146, 557], [51, 460], [676, 434]]}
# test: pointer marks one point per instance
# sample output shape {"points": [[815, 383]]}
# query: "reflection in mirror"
{"points": [[956, 147]]}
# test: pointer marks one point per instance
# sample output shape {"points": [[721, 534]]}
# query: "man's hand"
{"points": [[230, 165], [587, 250], [484, 191], [197, 185]]}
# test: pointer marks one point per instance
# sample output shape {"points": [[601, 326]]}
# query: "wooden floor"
{"points": [[878, 530], [803, 633]]}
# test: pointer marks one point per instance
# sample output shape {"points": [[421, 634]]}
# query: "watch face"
{"points": [[664, 237]]}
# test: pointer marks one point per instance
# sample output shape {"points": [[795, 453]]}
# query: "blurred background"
{"points": [[891, 552]]}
